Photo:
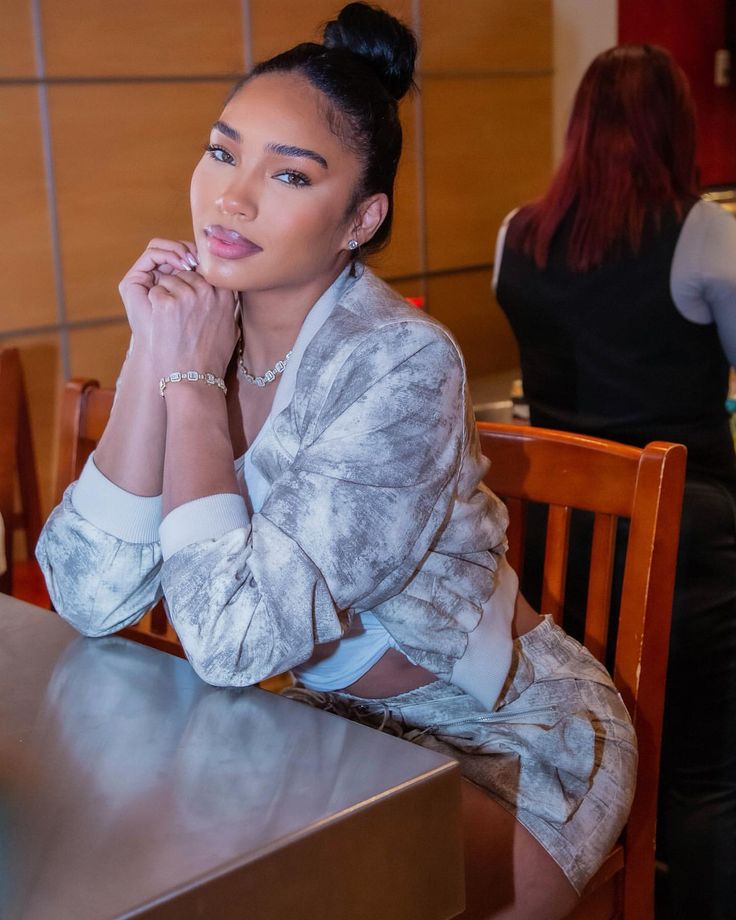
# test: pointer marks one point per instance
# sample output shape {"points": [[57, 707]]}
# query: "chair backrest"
{"points": [[568, 471], [17, 462], [85, 409]]}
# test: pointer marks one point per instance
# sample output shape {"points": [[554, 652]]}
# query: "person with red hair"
{"points": [[620, 286]]}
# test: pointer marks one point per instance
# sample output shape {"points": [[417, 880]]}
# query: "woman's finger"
{"points": [[177, 285], [191, 254], [153, 264], [178, 246], [164, 253], [195, 281], [152, 259]]}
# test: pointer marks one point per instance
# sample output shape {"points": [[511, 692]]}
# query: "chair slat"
{"points": [[598, 609], [555, 561], [515, 534]]}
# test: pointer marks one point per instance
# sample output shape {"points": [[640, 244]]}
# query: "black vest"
{"points": [[607, 353]]}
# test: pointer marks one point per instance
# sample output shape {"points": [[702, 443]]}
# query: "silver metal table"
{"points": [[129, 788]]}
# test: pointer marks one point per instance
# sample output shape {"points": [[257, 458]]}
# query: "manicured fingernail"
{"points": [[185, 265], [192, 259]]}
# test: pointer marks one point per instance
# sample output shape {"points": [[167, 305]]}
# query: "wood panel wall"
{"points": [[103, 112]]}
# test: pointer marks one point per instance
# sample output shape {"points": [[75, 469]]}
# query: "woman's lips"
{"points": [[228, 244]]}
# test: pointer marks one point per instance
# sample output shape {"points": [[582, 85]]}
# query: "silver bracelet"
{"points": [[194, 376]]}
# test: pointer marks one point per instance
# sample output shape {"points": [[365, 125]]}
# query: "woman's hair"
{"points": [[629, 156], [363, 68]]}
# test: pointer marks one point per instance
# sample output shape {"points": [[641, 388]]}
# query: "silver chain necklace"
{"points": [[269, 376]]}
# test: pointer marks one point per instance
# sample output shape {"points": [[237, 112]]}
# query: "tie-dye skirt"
{"points": [[558, 750]]}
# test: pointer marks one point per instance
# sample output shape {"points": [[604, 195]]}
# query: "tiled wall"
{"points": [[103, 111]]}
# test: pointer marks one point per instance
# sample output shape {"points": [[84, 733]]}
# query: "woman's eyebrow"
{"points": [[225, 129], [288, 151]]}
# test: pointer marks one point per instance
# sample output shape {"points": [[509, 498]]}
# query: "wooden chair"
{"points": [[566, 471], [17, 463], [85, 409]]}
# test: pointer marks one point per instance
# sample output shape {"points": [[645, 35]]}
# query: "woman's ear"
{"points": [[370, 215]]}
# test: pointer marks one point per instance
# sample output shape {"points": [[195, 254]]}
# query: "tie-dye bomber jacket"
{"points": [[376, 503]]}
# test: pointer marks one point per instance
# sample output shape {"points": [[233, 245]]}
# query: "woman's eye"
{"points": [[291, 177], [219, 153]]}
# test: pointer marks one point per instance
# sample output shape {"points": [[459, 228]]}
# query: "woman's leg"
{"points": [[508, 874]]}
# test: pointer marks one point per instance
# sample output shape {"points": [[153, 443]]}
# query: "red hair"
{"points": [[629, 154]]}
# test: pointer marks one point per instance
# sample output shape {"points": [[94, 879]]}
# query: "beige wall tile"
{"points": [[42, 371], [465, 304], [487, 150], [124, 155], [26, 265], [403, 255], [16, 39], [138, 37], [297, 21], [98, 352], [486, 35]]}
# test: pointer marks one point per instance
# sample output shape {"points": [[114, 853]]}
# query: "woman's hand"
{"points": [[192, 325], [160, 259], [131, 451]]}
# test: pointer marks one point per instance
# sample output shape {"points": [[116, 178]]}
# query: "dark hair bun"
{"points": [[383, 42]]}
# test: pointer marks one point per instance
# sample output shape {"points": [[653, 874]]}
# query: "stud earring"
{"points": [[352, 245]]}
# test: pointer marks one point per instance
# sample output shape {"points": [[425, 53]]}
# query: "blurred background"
{"points": [[104, 109]]}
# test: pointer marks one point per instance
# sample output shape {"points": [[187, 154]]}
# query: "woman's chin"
{"points": [[220, 274]]}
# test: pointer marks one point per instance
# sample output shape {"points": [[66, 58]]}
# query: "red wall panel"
{"points": [[693, 32]]}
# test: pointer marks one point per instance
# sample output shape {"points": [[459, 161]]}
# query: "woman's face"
{"points": [[269, 197]]}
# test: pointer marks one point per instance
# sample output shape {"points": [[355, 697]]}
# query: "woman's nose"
{"points": [[237, 202]]}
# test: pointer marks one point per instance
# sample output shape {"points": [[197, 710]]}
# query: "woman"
{"points": [[620, 286], [309, 497]]}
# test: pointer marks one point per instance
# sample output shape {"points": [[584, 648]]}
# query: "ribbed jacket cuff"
{"points": [[131, 518], [206, 518]]}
